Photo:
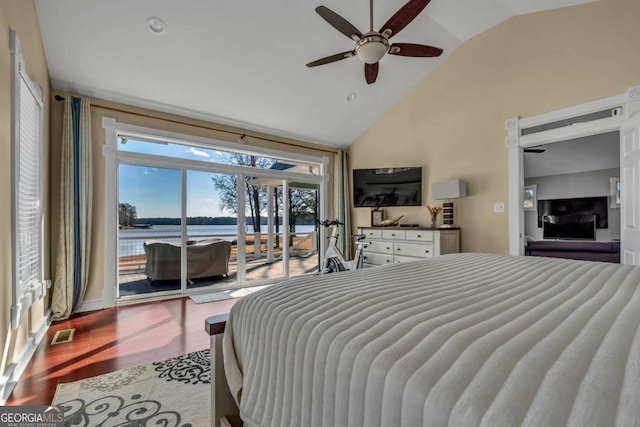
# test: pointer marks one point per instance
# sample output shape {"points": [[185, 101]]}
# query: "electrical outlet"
{"points": [[498, 207]]}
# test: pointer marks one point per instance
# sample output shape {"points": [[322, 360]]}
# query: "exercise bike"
{"points": [[333, 260]]}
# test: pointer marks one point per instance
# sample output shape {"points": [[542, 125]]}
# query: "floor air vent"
{"points": [[63, 336]]}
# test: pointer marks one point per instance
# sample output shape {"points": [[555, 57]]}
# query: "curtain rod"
{"points": [[230, 132]]}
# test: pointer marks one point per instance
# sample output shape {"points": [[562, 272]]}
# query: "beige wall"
{"points": [[132, 115], [452, 123], [21, 17]]}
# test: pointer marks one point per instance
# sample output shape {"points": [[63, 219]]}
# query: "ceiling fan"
{"points": [[372, 46]]}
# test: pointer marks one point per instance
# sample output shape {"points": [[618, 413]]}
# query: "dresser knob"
{"points": [[398, 248], [388, 248], [426, 252], [388, 261], [393, 235]]}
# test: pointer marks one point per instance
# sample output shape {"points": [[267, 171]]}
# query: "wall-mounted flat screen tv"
{"points": [[580, 227], [598, 206], [382, 187]]}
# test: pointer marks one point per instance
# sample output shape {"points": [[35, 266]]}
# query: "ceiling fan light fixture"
{"points": [[371, 49]]}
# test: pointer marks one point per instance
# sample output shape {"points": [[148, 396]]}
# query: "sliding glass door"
{"points": [[178, 230], [212, 229], [304, 205], [264, 255], [194, 219], [281, 229], [149, 229]]}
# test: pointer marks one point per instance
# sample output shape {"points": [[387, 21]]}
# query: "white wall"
{"points": [[574, 185]]}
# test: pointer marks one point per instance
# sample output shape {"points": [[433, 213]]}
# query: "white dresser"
{"points": [[398, 244]]}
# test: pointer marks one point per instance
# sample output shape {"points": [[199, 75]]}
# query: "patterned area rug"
{"points": [[172, 393]]}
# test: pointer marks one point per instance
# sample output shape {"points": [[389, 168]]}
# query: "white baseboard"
{"points": [[19, 364], [91, 306]]}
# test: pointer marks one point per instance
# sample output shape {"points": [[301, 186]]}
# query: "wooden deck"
{"points": [[133, 281]]}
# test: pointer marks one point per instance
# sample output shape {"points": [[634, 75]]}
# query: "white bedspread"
{"points": [[460, 340]]}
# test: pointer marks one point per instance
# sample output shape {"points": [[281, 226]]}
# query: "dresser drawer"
{"points": [[398, 259], [379, 246], [377, 259], [374, 234], [421, 235], [413, 249], [393, 234]]}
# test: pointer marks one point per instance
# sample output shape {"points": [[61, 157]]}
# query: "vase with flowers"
{"points": [[434, 211]]}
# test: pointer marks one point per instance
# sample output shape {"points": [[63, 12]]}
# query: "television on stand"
{"points": [[598, 206], [569, 227], [382, 187]]}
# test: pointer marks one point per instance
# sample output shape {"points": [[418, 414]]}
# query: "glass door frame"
{"points": [[114, 157]]}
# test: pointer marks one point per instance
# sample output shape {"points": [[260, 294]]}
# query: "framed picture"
{"points": [[529, 198], [377, 215], [614, 194]]}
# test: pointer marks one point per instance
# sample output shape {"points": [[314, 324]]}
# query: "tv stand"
{"points": [[576, 249]]}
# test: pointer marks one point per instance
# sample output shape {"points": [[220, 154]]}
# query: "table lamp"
{"points": [[446, 190]]}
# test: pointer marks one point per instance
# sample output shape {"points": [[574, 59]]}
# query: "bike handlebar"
{"points": [[327, 223]]}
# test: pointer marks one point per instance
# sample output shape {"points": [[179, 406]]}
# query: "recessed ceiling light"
{"points": [[156, 25], [351, 96]]}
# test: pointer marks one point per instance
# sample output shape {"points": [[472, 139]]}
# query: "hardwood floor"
{"points": [[113, 339]]}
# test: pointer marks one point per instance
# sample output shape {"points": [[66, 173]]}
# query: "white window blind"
{"points": [[27, 194], [29, 219]]}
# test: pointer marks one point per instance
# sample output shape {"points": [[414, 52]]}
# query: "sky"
{"points": [[155, 192]]}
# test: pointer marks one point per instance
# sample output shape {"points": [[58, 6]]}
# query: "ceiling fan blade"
{"points": [[416, 50], [332, 58], [371, 72], [339, 23], [403, 17]]}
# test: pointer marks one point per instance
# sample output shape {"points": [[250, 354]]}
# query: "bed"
{"points": [[461, 339]]}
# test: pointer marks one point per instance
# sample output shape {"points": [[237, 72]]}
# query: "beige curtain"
{"points": [[342, 200], [72, 264]]}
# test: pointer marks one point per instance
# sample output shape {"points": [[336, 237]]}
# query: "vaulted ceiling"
{"points": [[242, 63]]}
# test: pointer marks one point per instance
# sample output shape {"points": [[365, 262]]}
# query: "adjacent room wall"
{"points": [[151, 119], [452, 123], [21, 17], [574, 185]]}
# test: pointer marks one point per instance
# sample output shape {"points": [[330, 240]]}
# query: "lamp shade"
{"points": [[371, 52], [448, 189]]}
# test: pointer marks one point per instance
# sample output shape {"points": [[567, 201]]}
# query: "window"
{"points": [[185, 150], [195, 173], [27, 185], [529, 198]]}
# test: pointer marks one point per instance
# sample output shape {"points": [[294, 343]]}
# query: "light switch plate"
{"points": [[498, 207]]}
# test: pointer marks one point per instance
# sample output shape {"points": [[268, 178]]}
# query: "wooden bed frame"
{"points": [[224, 411]]}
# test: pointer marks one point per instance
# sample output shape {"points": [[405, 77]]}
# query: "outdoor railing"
{"points": [[132, 258]]}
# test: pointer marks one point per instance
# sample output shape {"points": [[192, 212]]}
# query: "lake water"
{"points": [[131, 241]]}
